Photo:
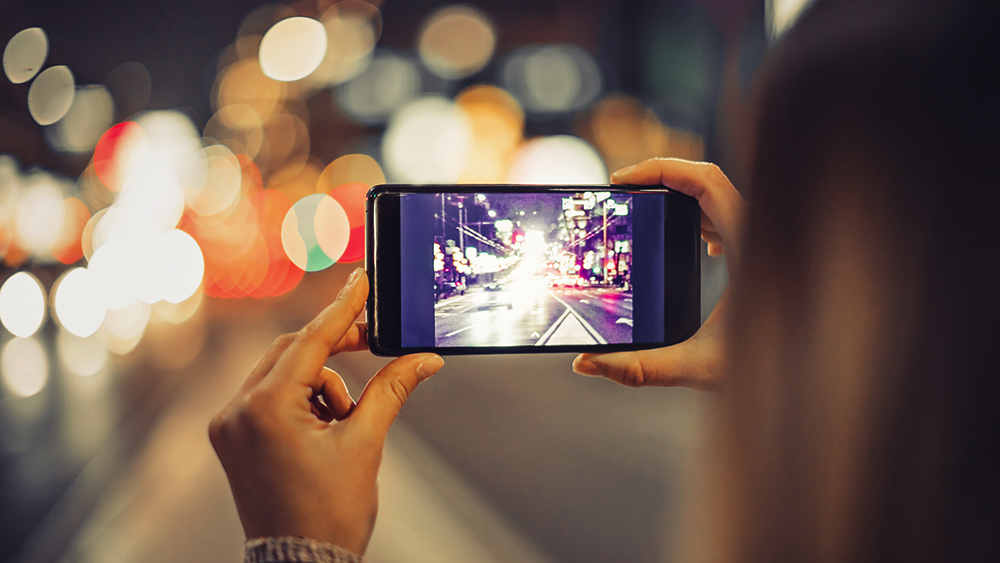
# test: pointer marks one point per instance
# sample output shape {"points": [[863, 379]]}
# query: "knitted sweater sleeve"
{"points": [[297, 550]]}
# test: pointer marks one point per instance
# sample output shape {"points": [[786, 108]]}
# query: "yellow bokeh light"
{"points": [[22, 304], [350, 169], [456, 42], [497, 123], [244, 82], [352, 27], [292, 49], [40, 214], [82, 357]]}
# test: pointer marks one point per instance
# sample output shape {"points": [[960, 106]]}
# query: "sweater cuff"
{"points": [[298, 550]]}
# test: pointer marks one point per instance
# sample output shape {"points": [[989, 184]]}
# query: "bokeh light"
{"points": [[110, 151], [76, 302], [22, 304], [497, 124], [244, 82], [390, 81], [560, 159], [83, 357], [88, 117], [315, 232], [130, 86], [292, 49], [426, 142], [351, 198], [122, 329], [351, 169], [40, 214], [180, 266], [456, 42], [51, 94], [352, 27], [25, 54], [213, 180], [25, 366], [552, 79]]}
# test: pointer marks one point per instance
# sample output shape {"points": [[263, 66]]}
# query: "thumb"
{"points": [[387, 392], [689, 364]]}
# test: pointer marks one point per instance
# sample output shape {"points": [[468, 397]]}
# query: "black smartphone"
{"points": [[513, 269]]}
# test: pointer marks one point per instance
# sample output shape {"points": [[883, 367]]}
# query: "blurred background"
{"points": [[162, 170]]}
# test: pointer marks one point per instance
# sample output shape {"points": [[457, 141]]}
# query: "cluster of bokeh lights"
{"points": [[167, 212]]}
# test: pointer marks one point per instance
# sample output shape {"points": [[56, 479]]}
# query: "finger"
{"points": [[356, 339], [672, 366], [703, 181], [387, 392], [711, 238], [334, 391], [266, 363], [313, 344], [715, 249], [694, 363]]}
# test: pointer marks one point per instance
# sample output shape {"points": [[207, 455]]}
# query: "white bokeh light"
{"points": [[77, 303], [427, 141], [24, 366], [51, 95], [90, 115], [40, 214], [22, 304], [292, 49], [179, 266], [560, 159], [25, 54]]}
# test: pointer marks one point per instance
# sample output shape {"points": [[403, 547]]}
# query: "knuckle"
{"points": [[217, 430], [633, 374], [398, 390], [714, 175], [256, 410], [283, 341]]}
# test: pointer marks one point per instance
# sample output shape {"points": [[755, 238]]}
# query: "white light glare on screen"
{"points": [[292, 49]]}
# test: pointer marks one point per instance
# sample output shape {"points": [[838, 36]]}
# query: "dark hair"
{"points": [[863, 419]]}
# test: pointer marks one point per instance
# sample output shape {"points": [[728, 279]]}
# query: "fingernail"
{"points": [[429, 367], [587, 367], [355, 276], [622, 171]]}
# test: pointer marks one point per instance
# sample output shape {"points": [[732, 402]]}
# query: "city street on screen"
{"points": [[533, 269]]}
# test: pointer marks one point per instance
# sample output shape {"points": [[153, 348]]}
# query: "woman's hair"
{"points": [[863, 418]]}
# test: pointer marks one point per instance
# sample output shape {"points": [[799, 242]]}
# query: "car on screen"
{"points": [[497, 297]]}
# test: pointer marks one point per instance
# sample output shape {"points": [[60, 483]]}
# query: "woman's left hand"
{"points": [[292, 470]]}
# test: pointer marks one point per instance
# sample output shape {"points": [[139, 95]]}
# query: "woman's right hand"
{"points": [[696, 362]]}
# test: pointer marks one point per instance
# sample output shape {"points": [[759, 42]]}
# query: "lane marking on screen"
{"points": [[593, 332], [459, 330]]}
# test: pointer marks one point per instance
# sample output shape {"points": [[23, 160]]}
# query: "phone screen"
{"points": [[554, 269]]}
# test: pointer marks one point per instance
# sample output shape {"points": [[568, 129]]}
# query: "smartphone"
{"points": [[514, 269]]}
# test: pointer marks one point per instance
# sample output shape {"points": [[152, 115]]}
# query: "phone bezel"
{"points": [[682, 292]]}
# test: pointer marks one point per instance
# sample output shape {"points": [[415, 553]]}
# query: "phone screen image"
{"points": [[531, 269]]}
